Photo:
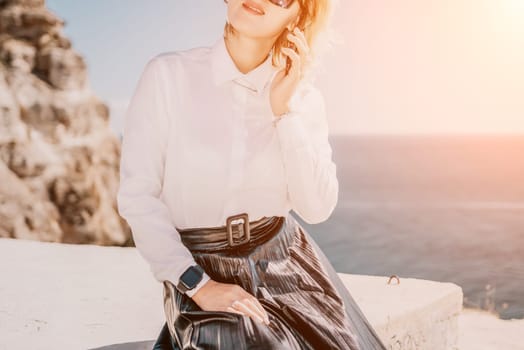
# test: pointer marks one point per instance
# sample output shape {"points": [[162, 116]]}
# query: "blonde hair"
{"points": [[315, 19]]}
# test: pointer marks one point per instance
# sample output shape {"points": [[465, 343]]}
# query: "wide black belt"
{"points": [[232, 236]]}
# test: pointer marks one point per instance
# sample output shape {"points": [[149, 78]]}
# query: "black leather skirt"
{"points": [[278, 262]]}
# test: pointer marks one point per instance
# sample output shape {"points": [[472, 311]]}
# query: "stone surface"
{"points": [[59, 159], [414, 314], [72, 296]]}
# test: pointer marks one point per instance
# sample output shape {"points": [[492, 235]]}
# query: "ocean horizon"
{"points": [[448, 208]]}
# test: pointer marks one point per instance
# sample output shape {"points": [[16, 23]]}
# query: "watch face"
{"points": [[191, 277]]}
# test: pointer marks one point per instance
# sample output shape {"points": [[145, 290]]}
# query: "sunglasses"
{"points": [[281, 3]]}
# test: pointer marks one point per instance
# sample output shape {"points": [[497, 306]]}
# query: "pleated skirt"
{"points": [[282, 266]]}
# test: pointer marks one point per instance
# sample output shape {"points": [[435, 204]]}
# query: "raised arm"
{"points": [[310, 171], [142, 159]]}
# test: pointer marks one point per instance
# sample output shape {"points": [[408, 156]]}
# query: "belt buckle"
{"points": [[246, 236]]}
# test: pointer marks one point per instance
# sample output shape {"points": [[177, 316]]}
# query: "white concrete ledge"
{"points": [[415, 314], [68, 296]]}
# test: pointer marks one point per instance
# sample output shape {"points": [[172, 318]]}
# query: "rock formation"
{"points": [[59, 159]]}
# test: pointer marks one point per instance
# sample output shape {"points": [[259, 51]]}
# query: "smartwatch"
{"points": [[190, 278]]}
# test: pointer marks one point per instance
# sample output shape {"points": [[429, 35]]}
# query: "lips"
{"points": [[253, 6]]}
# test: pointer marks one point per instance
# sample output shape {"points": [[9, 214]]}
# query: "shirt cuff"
{"points": [[205, 278]]}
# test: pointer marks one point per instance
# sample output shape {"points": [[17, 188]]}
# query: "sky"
{"points": [[404, 67]]}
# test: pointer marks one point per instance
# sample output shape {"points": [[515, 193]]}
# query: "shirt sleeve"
{"points": [[310, 170], [145, 134]]}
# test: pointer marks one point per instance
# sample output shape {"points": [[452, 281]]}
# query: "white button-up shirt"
{"points": [[200, 143]]}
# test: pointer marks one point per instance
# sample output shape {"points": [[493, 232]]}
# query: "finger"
{"points": [[301, 47], [257, 304], [300, 43], [307, 50], [258, 308], [243, 307], [251, 305], [230, 309], [251, 313], [295, 58], [291, 53], [301, 35]]}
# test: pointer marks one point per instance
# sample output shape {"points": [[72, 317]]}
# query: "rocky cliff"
{"points": [[59, 159]]}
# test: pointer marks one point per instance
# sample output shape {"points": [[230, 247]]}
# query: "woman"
{"points": [[220, 143]]}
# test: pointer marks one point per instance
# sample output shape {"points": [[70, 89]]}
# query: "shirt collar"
{"points": [[224, 69]]}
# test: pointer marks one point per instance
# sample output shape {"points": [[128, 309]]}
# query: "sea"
{"points": [[443, 207]]}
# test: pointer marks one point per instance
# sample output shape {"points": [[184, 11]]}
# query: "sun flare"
{"points": [[512, 15]]}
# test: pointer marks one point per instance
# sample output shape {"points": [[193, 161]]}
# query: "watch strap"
{"points": [[205, 278]]}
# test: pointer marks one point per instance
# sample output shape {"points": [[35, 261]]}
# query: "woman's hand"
{"points": [[217, 296], [283, 86]]}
